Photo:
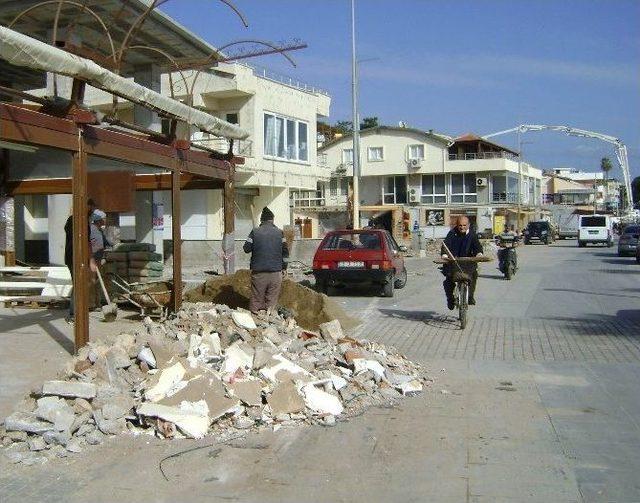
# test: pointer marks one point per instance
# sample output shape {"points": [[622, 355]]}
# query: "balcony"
{"points": [[307, 199], [472, 156], [241, 148], [504, 197]]}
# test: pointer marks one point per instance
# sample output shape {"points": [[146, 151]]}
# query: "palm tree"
{"points": [[605, 166]]}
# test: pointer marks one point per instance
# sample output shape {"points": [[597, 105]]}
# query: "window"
{"points": [[347, 155], [232, 118], [375, 154], [285, 138], [433, 189], [416, 151], [338, 187], [354, 241], [394, 190], [463, 188]]}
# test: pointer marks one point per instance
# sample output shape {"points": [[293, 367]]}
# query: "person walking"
{"points": [[68, 252], [269, 253], [98, 245], [461, 242]]}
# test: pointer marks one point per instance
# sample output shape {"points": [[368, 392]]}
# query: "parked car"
{"points": [[568, 226], [595, 229], [350, 257], [628, 242], [539, 232], [638, 254]]}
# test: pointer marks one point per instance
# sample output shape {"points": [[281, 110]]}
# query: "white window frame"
{"points": [[427, 198], [344, 157], [295, 156], [464, 194], [420, 145], [371, 159]]}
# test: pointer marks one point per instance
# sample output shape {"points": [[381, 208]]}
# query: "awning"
{"points": [[21, 50]]}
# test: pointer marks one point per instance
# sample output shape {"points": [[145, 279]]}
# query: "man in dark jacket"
{"points": [[461, 242], [268, 249]]}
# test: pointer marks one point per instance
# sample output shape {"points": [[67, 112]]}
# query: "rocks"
{"points": [[73, 389], [208, 370], [331, 331]]}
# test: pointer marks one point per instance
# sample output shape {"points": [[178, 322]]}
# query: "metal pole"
{"points": [[519, 177], [356, 124]]}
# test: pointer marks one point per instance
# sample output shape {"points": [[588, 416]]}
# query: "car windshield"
{"points": [[537, 226], [593, 222], [353, 241]]}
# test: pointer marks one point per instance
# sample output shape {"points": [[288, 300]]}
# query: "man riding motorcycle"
{"points": [[461, 242]]}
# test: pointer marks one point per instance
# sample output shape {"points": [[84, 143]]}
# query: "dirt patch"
{"points": [[309, 307]]}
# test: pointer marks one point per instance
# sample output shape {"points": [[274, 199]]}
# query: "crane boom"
{"points": [[620, 148]]}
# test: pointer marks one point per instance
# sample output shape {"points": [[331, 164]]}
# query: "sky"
{"points": [[458, 66]]}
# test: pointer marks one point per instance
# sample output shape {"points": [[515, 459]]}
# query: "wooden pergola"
{"points": [[79, 134]]}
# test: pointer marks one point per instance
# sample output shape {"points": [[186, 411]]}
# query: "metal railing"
{"points": [[307, 199], [472, 156], [241, 148], [504, 197], [265, 73]]}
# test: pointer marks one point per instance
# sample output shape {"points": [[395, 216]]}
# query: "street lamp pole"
{"points": [[356, 124], [519, 177]]}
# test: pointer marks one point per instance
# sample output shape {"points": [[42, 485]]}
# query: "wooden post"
{"points": [[176, 237], [228, 238], [80, 246]]}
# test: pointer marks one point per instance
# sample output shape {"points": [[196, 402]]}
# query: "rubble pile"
{"points": [[210, 370], [308, 307]]}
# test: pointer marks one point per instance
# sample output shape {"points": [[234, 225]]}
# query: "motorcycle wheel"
{"points": [[508, 274]]}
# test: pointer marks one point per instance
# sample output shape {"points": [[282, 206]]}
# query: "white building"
{"points": [[410, 176]]}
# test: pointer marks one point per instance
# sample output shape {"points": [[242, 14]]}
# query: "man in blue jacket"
{"points": [[269, 252], [462, 242]]}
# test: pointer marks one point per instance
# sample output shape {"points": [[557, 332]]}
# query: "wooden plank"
{"points": [[80, 248], [228, 241], [142, 182], [177, 240]]}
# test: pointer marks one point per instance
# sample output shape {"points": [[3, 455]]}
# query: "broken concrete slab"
{"points": [[250, 391], [146, 355], [28, 422], [71, 389], [285, 399], [167, 381], [192, 419], [238, 355], [244, 320], [56, 411], [118, 357], [279, 363], [362, 365], [320, 401], [410, 387], [117, 407]]}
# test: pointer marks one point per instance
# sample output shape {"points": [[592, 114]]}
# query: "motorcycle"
{"points": [[507, 256]]}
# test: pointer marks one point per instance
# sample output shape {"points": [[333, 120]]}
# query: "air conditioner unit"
{"points": [[481, 182], [415, 163]]}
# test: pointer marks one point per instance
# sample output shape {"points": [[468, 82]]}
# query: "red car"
{"points": [[350, 257]]}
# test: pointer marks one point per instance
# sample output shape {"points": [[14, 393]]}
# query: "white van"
{"points": [[595, 229]]}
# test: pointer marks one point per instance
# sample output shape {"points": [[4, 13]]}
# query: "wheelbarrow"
{"points": [[152, 298]]}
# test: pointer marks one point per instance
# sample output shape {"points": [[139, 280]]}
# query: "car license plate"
{"points": [[351, 265], [593, 232]]}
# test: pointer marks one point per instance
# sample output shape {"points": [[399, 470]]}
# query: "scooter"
{"points": [[507, 256]]}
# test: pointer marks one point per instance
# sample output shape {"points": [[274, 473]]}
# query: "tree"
{"points": [[369, 122], [635, 191], [605, 166], [344, 126]]}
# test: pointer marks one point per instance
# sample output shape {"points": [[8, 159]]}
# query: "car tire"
{"points": [[322, 287], [638, 259], [581, 244], [609, 244], [401, 280], [387, 288]]}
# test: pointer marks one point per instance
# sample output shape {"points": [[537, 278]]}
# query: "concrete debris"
{"points": [[208, 370], [72, 389]]}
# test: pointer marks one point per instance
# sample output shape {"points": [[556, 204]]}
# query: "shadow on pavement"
{"points": [[620, 260], [626, 323], [43, 319], [491, 276], [571, 290], [430, 318]]}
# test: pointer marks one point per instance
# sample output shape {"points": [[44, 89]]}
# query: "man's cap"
{"points": [[98, 215], [266, 214]]}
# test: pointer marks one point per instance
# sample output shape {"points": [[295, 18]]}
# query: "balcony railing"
{"points": [[307, 199], [241, 148], [504, 197], [472, 156]]}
